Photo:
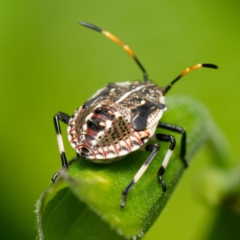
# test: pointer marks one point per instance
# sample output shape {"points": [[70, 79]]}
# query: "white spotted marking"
{"points": [[84, 128], [108, 124], [102, 124]]}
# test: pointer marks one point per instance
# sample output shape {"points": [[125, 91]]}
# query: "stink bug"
{"points": [[119, 119]]}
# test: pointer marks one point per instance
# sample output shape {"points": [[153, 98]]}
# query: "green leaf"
{"points": [[84, 202], [218, 183]]}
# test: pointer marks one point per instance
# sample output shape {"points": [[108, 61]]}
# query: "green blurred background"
{"points": [[50, 63]]}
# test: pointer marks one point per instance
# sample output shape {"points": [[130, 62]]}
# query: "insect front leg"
{"points": [[180, 130], [64, 118], [153, 149]]}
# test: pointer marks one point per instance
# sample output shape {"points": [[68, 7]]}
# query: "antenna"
{"points": [[188, 70], [119, 42]]}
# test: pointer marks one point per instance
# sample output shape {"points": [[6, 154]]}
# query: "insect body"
{"points": [[119, 119], [116, 121]]}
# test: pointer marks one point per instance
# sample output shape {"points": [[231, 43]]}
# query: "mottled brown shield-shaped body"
{"points": [[116, 120]]}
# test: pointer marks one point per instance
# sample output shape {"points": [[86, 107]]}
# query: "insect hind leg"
{"points": [[171, 139], [180, 130]]}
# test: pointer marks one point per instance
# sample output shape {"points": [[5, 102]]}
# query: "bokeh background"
{"points": [[50, 63]]}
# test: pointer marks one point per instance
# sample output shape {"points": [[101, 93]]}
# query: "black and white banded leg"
{"points": [[64, 118], [153, 148], [171, 139], [180, 130]]}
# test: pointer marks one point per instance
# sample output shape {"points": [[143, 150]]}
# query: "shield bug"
{"points": [[119, 119]]}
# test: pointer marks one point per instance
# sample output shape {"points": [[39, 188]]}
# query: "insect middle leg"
{"points": [[64, 118], [153, 148]]}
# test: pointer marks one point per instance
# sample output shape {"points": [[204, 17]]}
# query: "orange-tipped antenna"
{"points": [[119, 42], [188, 70]]}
